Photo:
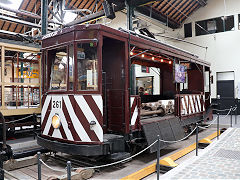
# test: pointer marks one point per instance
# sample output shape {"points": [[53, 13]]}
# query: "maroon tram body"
{"points": [[87, 108]]}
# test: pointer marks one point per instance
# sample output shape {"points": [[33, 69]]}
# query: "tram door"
{"points": [[225, 89], [113, 57]]}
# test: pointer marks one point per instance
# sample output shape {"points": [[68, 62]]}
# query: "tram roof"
{"points": [[149, 44]]}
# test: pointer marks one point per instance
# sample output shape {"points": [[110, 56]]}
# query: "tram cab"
{"points": [[87, 107]]}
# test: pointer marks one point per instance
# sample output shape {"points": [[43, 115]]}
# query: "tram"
{"points": [[88, 107], [20, 87]]}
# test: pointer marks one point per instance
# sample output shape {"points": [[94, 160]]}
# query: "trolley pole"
{"points": [[39, 165], [158, 157], [231, 117], [197, 139], [69, 170], [217, 126]]}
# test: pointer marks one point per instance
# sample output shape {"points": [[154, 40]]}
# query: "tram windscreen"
{"points": [[58, 69], [87, 67]]}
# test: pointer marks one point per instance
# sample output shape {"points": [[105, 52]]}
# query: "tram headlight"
{"points": [[56, 122]]}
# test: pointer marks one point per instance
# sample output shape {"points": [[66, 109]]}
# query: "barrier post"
{"points": [[158, 157], [197, 139], [217, 126], [235, 114], [231, 117], [1, 164], [69, 170], [39, 165]]}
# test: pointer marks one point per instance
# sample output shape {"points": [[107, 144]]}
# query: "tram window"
{"points": [[71, 65], [87, 67], [206, 81], [184, 86], [58, 69]]}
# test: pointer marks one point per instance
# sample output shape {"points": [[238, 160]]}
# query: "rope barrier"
{"points": [[123, 160], [234, 109], [59, 170], [208, 125], [227, 113], [126, 159], [10, 174], [220, 110], [17, 120], [179, 139], [114, 163], [117, 162]]}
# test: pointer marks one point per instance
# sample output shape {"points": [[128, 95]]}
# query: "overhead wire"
{"points": [[177, 39]]}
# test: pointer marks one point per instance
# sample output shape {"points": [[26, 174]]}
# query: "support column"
{"points": [[3, 76], [44, 13], [132, 66]]}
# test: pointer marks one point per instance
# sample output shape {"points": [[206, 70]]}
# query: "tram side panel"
{"points": [[77, 118]]}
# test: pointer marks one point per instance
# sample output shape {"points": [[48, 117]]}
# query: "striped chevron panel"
{"points": [[134, 110], [76, 112], [191, 104]]}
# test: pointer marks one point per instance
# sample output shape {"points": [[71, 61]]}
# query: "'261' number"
{"points": [[57, 104]]}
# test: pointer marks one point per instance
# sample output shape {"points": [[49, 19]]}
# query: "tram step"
{"points": [[117, 142], [118, 156]]}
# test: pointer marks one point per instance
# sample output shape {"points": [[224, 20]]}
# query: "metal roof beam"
{"points": [[94, 16], [10, 33], [158, 16], [18, 21], [202, 2], [25, 13], [139, 2]]}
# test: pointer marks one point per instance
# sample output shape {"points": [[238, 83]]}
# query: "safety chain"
{"points": [[126, 159], [17, 120], [229, 111], [59, 170], [117, 162], [179, 139], [129, 158]]}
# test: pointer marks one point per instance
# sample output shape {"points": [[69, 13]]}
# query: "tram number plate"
{"points": [[57, 104]]}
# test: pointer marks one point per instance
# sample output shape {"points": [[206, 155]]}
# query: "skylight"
{"points": [[69, 17], [13, 4]]}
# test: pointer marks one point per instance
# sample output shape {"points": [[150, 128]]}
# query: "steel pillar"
{"points": [[132, 66], [44, 13]]}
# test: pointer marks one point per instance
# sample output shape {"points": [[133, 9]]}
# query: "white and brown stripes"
{"points": [[134, 110], [76, 113], [191, 104]]}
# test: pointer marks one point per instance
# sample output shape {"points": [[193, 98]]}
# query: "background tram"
{"points": [[20, 87], [87, 105]]}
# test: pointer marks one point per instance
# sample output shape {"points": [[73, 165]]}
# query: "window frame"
{"points": [[49, 71], [220, 28], [74, 91], [190, 30], [99, 65], [73, 68]]}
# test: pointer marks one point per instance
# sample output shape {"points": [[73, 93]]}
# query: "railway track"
{"points": [[75, 162]]}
